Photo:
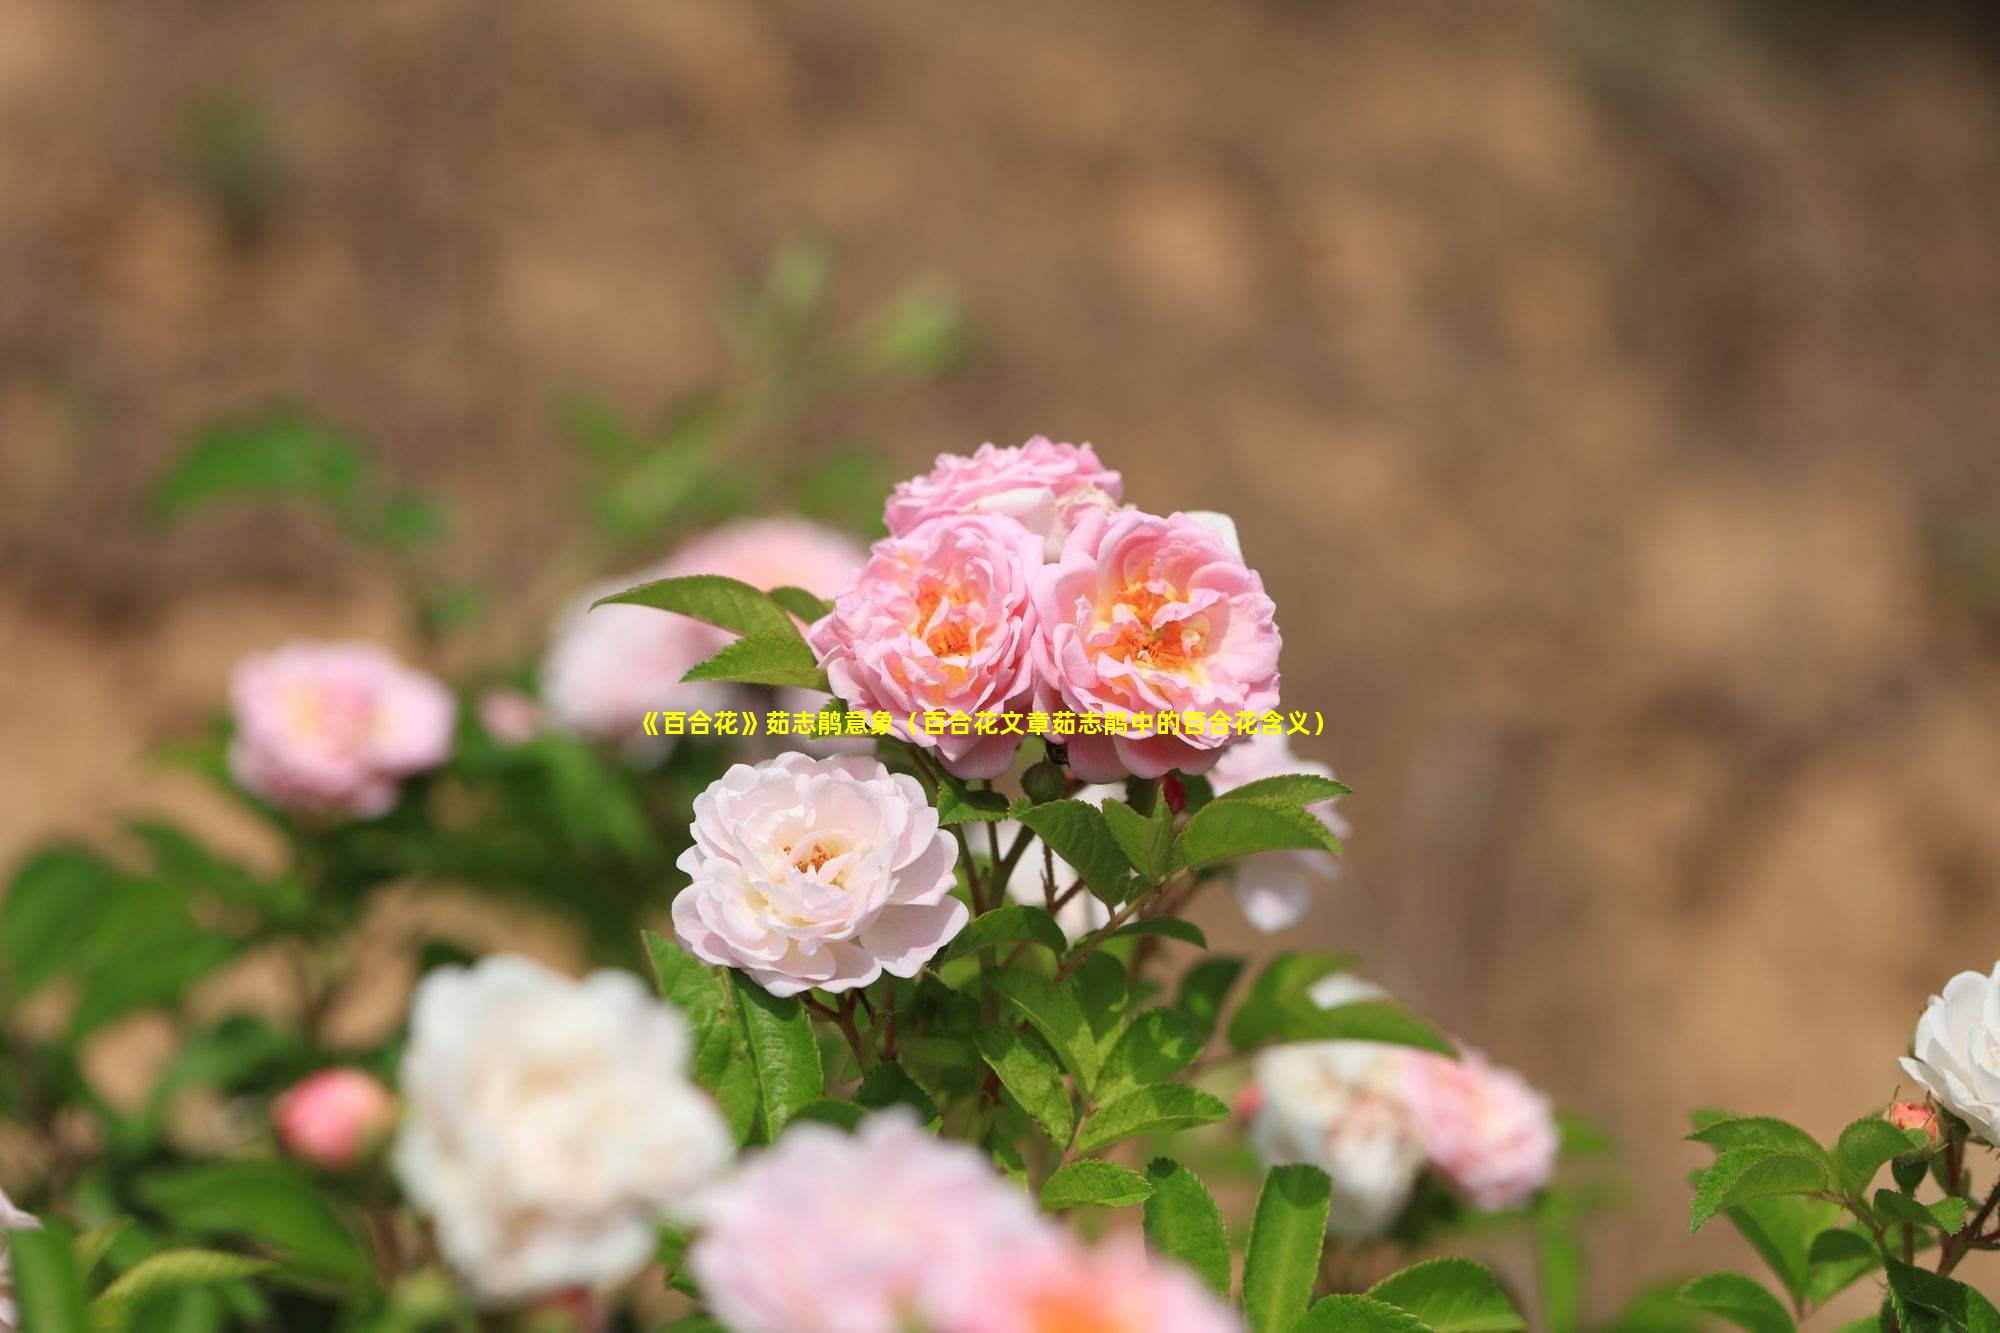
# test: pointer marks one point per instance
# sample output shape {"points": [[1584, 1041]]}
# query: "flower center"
{"points": [[1175, 645]]}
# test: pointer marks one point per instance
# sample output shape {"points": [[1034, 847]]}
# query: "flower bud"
{"points": [[1913, 1115], [334, 1118]]}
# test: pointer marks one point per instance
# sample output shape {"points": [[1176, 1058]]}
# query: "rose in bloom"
{"points": [[333, 729], [1063, 1287], [550, 1124], [1956, 1051], [1913, 1115], [1041, 485], [1340, 1106], [820, 873], [828, 1232], [333, 1118], [1084, 912], [606, 669], [1274, 889], [940, 619], [1148, 615], [11, 1219], [1489, 1134]]}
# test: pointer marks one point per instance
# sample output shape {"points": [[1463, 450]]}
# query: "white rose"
{"points": [[550, 1125], [1956, 1051], [11, 1219], [1338, 1105]]}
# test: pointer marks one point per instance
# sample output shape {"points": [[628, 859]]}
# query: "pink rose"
{"points": [[334, 728], [827, 1232], [817, 873], [940, 619], [1489, 1134], [1274, 889], [1059, 1285], [1145, 615], [1042, 485], [333, 1118]]}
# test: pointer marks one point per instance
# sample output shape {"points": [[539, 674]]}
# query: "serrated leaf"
{"points": [[166, 1271], [831, 1111], [1286, 1234], [1451, 1296], [1924, 1300], [1010, 923], [1753, 1172], [783, 1051], [1030, 1072], [762, 659], [1054, 1013], [805, 605], [1147, 842], [730, 604], [701, 994], [1736, 1298], [1153, 1109], [1757, 1131], [1836, 1259], [1243, 826], [1076, 832], [1298, 788], [1165, 927], [1105, 1184], [1182, 1222], [1357, 1314], [1863, 1148], [1204, 990], [1781, 1229], [54, 906], [1155, 1046]]}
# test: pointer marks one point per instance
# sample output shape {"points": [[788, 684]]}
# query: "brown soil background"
{"points": [[1607, 390]]}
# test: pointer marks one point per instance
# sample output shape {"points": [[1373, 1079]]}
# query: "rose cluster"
{"points": [[1013, 579], [1375, 1117]]}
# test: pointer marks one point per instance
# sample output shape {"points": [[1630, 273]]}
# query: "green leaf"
{"points": [[1155, 1046], [702, 996], [1452, 1296], [1757, 1131], [762, 659], [1183, 1223], [1946, 1215], [1054, 1013], [1558, 1262], [1781, 1229], [1754, 1171], [1356, 1314], [1836, 1258], [960, 803], [92, 1244], [52, 909], [1146, 842], [1167, 927], [1105, 1184], [728, 603], [736, 1096], [1102, 988], [269, 1203], [1864, 1147], [806, 606], [1076, 831], [832, 1111], [1010, 923], [887, 1084], [1153, 1109], [47, 1283], [1923, 1301], [1285, 1238], [1298, 788], [1233, 827], [1736, 1298], [166, 1271], [280, 454], [1204, 989], [1029, 1071], [783, 1051]]}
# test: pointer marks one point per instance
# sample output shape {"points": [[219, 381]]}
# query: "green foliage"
{"points": [[170, 1270], [1451, 1296], [270, 1204], [1234, 826], [1755, 1171], [1055, 1014], [783, 1051], [1032, 1075], [1278, 1007], [1349, 1313], [1153, 1109], [1737, 1299], [1285, 1237], [1090, 1181], [48, 1285], [1182, 1222], [1078, 833], [1009, 923]]}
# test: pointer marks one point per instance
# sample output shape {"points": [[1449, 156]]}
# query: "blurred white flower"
{"points": [[11, 1219], [1955, 1051], [550, 1124]]}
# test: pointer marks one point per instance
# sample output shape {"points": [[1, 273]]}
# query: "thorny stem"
{"points": [[1968, 1237]]}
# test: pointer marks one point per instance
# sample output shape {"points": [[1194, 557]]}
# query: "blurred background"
{"points": [[1608, 392]]}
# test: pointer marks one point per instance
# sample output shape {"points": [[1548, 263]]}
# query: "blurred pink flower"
{"points": [[939, 620], [1145, 615], [509, 716], [1489, 1134], [1058, 1286], [334, 1117], [334, 728], [1042, 485], [1274, 889], [817, 873], [827, 1232]]}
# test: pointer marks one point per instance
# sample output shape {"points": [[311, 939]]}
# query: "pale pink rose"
{"points": [[1274, 889], [1913, 1115], [333, 1118], [335, 728], [1042, 485], [817, 873], [1489, 1134], [827, 1232], [1145, 615], [939, 620], [607, 668], [509, 716], [1065, 1288]]}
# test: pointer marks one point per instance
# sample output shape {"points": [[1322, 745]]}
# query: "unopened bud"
{"points": [[334, 1118], [1913, 1115]]}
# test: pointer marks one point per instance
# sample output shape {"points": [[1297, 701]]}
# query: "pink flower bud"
{"points": [[1248, 1101], [334, 1117], [1913, 1115], [509, 716]]}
